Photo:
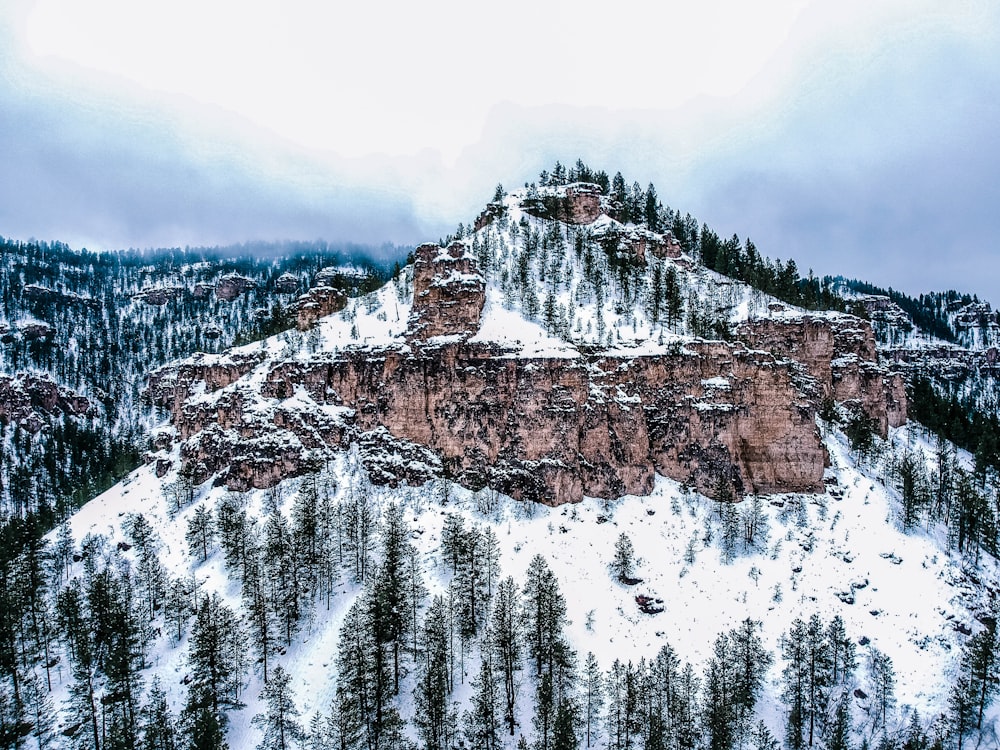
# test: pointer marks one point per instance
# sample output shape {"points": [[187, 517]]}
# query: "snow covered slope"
{"points": [[836, 553]]}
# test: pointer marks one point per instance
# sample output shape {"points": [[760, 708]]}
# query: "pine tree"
{"points": [[796, 687], [231, 525], [416, 594], [471, 580], [452, 541], [545, 615], [592, 699], [152, 577], [433, 685], [564, 736], [751, 661], [673, 299], [177, 607], [482, 721], [916, 737], [913, 489], [306, 532], [624, 559], [651, 209], [357, 524], [282, 572], [506, 638], [839, 735], [389, 589], [258, 607], [544, 713], [202, 727], [200, 533], [279, 723], [684, 709], [979, 662], [718, 714], [159, 731], [962, 708], [39, 710], [216, 656], [843, 659], [818, 669], [883, 677]]}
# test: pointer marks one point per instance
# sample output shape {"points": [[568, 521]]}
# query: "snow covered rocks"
{"points": [[448, 292]]}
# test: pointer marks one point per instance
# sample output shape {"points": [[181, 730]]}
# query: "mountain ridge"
{"points": [[297, 520]]}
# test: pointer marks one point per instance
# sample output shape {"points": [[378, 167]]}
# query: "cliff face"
{"points": [[839, 352], [726, 418], [28, 400], [320, 301], [448, 292], [550, 430]]}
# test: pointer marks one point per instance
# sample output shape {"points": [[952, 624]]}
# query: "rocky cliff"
{"points": [[720, 417], [444, 394], [448, 292], [550, 430], [839, 352], [28, 400]]}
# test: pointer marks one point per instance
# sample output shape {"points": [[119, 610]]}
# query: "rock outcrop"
{"points": [[231, 286], [944, 360], [287, 283], [550, 430], [633, 243], [59, 296], [29, 400], [159, 295], [36, 330], [317, 303], [839, 352], [725, 418], [448, 292], [578, 203], [169, 387]]}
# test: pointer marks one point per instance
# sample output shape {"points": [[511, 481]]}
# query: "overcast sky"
{"points": [[857, 137]]}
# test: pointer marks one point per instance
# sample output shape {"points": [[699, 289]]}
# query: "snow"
{"points": [[909, 592]]}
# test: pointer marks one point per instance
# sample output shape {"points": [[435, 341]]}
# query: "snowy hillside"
{"points": [[835, 554], [286, 571]]}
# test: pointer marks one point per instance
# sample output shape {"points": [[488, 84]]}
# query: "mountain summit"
{"points": [[554, 352]]}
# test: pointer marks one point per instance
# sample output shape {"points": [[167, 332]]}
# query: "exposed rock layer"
{"points": [[27, 400], [721, 417], [545, 429], [448, 292], [839, 352]]}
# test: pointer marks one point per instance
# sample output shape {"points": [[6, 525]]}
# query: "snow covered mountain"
{"points": [[556, 484]]}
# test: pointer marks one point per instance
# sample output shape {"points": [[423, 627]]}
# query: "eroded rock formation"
{"points": [[551, 430], [159, 295], [839, 352], [722, 417], [448, 292], [28, 400], [318, 302], [231, 286]]}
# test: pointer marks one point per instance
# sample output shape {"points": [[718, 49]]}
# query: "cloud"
{"points": [[112, 177], [858, 140]]}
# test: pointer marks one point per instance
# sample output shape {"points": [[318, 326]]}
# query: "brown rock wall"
{"points": [[551, 430], [448, 292], [839, 352]]}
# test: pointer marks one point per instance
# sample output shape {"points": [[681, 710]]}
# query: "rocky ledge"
{"points": [[725, 418], [29, 400], [839, 352], [550, 430], [448, 292]]}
